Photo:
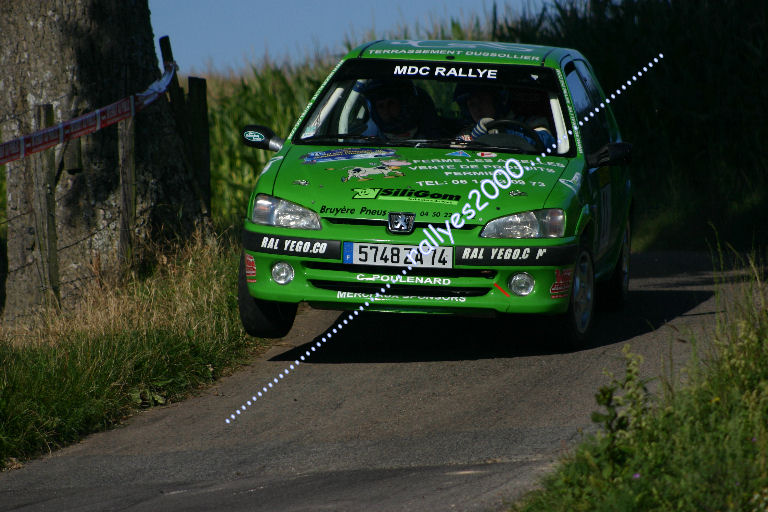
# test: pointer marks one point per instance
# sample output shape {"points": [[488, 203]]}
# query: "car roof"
{"points": [[463, 51]]}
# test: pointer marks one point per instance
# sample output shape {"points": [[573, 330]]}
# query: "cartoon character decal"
{"points": [[387, 168]]}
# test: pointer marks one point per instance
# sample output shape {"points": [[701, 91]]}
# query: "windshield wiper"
{"points": [[340, 137], [446, 142]]}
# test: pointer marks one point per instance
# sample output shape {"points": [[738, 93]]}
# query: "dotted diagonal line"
{"points": [[614, 94], [335, 330], [326, 337]]}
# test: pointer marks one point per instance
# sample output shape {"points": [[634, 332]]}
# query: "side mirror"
{"points": [[614, 153], [261, 137]]}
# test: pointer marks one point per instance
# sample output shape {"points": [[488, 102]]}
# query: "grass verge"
{"points": [[702, 446], [146, 342]]}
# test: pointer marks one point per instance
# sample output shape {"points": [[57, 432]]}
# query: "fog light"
{"points": [[521, 283], [282, 272]]}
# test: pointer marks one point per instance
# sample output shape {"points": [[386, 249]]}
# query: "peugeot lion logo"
{"points": [[400, 222]]}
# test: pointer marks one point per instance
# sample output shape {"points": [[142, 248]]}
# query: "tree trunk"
{"points": [[79, 55]]}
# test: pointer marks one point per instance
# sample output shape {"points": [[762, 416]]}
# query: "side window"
{"points": [[596, 97], [589, 82], [578, 93], [594, 131]]}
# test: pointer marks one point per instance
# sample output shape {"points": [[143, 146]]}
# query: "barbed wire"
{"points": [[95, 179], [25, 265], [11, 219], [83, 239], [61, 248], [37, 313], [90, 277], [18, 116]]}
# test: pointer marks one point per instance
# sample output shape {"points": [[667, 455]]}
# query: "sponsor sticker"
{"points": [[370, 211], [512, 256], [387, 297], [459, 71], [486, 154], [572, 183], [397, 278], [461, 153], [254, 136], [250, 269], [365, 193], [337, 210], [333, 155], [405, 194], [562, 285], [290, 245]]}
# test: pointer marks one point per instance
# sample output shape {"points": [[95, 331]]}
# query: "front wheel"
{"points": [[577, 321], [262, 318]]}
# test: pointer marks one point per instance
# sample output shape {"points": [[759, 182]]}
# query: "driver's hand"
{"points": [[480, 128]]}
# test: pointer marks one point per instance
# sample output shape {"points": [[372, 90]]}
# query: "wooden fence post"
{"points": [[200, 181], [197, 116], [44, 206], [3, 248], [125, 149], [174, 89]]}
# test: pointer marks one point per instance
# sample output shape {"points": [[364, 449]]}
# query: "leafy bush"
{"points": [[704, 446]]}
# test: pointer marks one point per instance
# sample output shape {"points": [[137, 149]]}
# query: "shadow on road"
{"points": [[667, 286], [385, 337]]}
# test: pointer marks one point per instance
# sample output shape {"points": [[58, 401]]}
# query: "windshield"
{"points": [[440, 104]]}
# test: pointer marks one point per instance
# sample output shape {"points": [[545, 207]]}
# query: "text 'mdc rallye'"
{"points": [[397, 154]]}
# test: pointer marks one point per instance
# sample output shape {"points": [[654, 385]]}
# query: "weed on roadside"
{"points": [[702, 447], [150, 341]]}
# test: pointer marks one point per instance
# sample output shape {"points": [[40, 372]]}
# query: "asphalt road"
{"points": [[395, 413]]}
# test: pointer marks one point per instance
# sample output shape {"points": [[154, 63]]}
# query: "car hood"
{"points": [[369, 182]]}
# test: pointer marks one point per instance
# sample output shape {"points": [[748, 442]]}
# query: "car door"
{"points": [[619, 174], [595, 134]]}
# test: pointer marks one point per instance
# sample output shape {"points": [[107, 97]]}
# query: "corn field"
{"points": [[696, 122], [272, 95]]}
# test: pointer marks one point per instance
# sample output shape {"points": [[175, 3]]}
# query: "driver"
{"points": [[484, 104], [399, 110]]}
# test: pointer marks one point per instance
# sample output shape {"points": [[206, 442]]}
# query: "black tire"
{"points": [[613, 292], [577, 322], [261, 318]]}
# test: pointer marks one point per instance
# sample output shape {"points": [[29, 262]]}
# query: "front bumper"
{"points": [[324, 280]]}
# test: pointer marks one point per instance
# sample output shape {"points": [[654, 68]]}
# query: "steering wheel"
{"points": [[538, 145]]}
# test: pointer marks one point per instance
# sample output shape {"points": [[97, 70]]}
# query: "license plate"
{"points": [[392, 255]]}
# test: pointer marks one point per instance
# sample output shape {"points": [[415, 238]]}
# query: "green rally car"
{"points": [[474, 178]]}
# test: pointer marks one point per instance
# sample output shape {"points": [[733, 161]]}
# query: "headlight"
{"points": [[273, 211], [548, 223]]}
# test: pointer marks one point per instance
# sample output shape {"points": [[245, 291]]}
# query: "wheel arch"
{"points": [[585, 228]]}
